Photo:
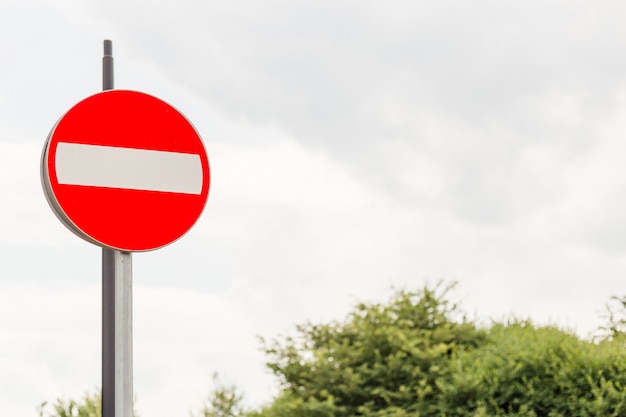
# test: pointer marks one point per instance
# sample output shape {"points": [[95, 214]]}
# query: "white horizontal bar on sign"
{"points": [[129, 168]]}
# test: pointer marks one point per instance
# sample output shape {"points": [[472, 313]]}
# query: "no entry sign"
{"points": [[125, 170]]}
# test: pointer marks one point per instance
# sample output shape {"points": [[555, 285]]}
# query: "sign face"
{"points": [[126, 171]]}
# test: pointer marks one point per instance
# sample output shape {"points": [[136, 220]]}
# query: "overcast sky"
{"points": [[355, 146]]}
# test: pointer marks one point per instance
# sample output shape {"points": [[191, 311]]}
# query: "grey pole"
{"points": [[117, 309]]}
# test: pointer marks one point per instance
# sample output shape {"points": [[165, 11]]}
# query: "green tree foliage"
{"points": [[615, 327], [223, 401], [88, 406], [523, 370], [384, 359], [416, 356]]}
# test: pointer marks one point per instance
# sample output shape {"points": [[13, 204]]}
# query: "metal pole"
{"points": [[117, 310]]}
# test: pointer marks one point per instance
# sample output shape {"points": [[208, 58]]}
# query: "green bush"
{"points": [[385, 359], [89, 406], [417, 356], [542, 371]]}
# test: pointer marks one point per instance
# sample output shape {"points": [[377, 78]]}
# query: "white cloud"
{"points": [[24, 215]]}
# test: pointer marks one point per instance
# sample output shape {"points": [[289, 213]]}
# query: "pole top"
{"points": [[108, 48]]}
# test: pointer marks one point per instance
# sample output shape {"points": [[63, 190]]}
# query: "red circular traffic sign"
{"points": [[125, 170]]}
